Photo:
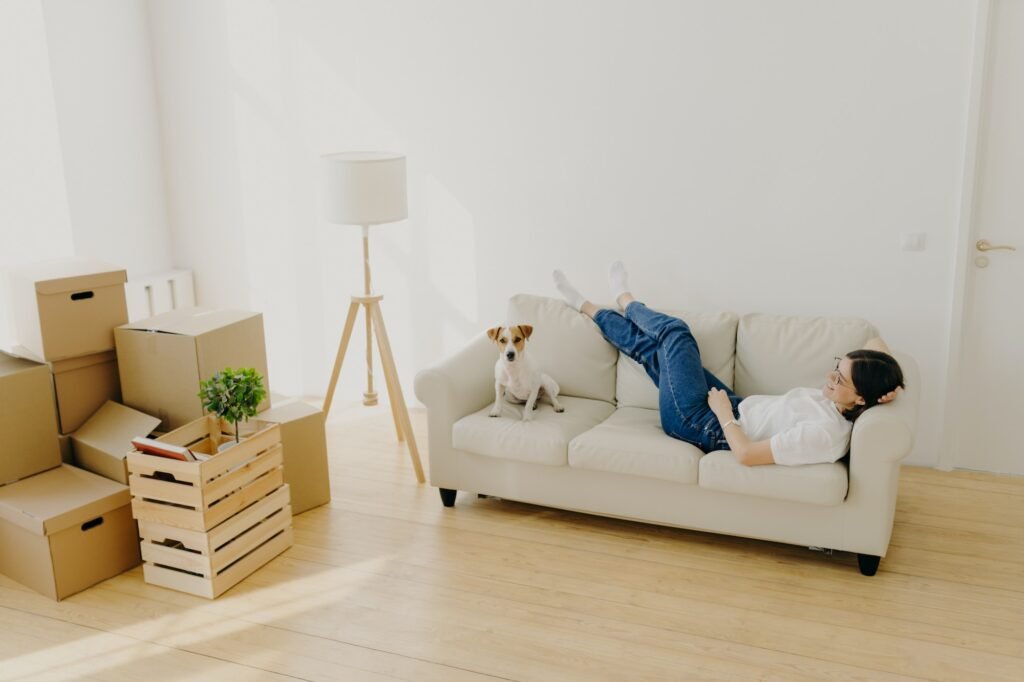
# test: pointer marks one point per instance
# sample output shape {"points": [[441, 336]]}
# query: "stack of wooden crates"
{"points": [[206, 525]]}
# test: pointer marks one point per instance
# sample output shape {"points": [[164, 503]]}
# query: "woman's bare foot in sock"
{"points": [[572, 297], [618, 280], [575, 299]]}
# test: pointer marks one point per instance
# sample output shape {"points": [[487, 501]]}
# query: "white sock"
{"points": [[618, 279], [574, 298]]}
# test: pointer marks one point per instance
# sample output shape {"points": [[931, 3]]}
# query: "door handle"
{"points": [[984, 245]]}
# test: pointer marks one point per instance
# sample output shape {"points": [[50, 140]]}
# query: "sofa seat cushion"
{"points": [[544, 440], [822, 484], [631, 441]]}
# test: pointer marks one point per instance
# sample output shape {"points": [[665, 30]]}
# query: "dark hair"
{"points": [[874, 374]]}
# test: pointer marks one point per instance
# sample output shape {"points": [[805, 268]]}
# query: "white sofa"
{"points": [[607, 454]]}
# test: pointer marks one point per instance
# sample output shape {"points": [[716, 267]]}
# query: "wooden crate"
{"points": [[201, 495], [207, 525], [207, 564]]}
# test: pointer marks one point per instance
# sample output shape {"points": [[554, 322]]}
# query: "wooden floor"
{"points": [[385, 583]]}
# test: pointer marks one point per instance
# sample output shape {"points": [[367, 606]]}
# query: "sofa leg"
{"points": [[868, 563], [447, 497]]}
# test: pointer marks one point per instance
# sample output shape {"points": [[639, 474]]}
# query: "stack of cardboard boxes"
{"points": [[62, 529], [59, 402], [65, 313]]}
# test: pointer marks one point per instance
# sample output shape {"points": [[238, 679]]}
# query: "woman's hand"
{"points": [[718, 401], [891, 395]]}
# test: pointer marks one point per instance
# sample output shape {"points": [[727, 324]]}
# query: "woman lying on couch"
{"points": [[804, 426]]}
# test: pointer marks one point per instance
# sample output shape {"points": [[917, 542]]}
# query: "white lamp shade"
{"points": [[364, 188]]}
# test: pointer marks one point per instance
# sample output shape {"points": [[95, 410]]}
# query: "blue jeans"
{"points": [[666, 349]]}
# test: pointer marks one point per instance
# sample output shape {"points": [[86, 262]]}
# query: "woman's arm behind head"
{"points": [[876, 377]]}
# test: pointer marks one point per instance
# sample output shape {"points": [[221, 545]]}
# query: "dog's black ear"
{"points": [[526, 329], [493, 332]]}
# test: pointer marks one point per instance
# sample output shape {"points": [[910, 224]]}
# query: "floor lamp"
{"points": [[368, 188]]}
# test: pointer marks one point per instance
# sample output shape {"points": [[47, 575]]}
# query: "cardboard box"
{"points": [[103, 443], [67, 450], [28, 419], [65, 530], [69, 307], [305, 452], [83, 385], [162, 359]]}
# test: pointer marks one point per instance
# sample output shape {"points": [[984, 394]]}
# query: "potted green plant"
{"points": [[233, 395]]}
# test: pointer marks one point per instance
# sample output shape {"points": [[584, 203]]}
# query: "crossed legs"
{"points": [[665, 347]]}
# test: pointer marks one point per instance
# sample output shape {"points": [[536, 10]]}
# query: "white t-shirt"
{"points": [[804, 426]]}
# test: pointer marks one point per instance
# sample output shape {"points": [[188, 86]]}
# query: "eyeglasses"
{"points": [[837, 377]]}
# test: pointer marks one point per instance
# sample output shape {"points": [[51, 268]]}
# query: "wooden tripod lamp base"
{"points": [[399, 411]]}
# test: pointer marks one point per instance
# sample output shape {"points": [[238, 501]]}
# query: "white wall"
{"points": [[102, 72], [746, 156], [34, 216], [80, 166]]}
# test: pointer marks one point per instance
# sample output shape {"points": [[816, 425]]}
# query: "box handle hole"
{"points": [[98, 521], [165, 476], [82, 295], [176, 544]]}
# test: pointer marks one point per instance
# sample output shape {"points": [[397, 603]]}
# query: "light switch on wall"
{"points": [[912, 241]]}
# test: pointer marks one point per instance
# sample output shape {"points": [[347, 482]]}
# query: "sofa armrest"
{"points": [[463, 383], [458, 386], [887, 431], [882, 436]]}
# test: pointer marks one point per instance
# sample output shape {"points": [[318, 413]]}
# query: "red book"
{"points": [[150, 446]]}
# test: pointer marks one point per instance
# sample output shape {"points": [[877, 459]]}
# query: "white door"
{"points": [[990, 433]]}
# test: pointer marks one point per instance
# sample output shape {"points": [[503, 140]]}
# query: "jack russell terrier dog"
{"points": [[515, 377]]}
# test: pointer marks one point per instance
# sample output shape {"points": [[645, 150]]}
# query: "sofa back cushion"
{"points": [[567, 345], [716, 338], [775, 353]]}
